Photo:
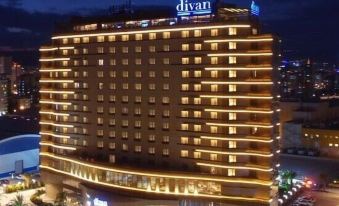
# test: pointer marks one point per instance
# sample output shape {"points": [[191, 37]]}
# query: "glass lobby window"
{"points": [[232, 31], [232, 45], [166, 35], [185, 34]]}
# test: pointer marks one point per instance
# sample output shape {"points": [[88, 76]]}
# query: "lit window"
{"points": [[151, 150], [76, 40], [214, 46], [197, 74], [184, 153], [232, 130], [197, 128], [197, 155], [112, 50], [152, 48], [231, 172], [232, 45], [100, 74], [197, 33], [166, 47], [232, 144], [165, 152], [138, 49], [125, 86], [124, 61], [185, 74], [197, 114], [138, 61], [184, 87], [137, 149], [166, 35], [124, 147], [232, 88], [232, 116], [214, 143], [232, 74], [100, 144], [185, 34], [112, 158], [64, 41], [100, 39], [232, 158], [214, 60], [184, 113], [111, 145], [185, 47], [197, 141], [197, 100], [165, 87], [197, 87], [184, 127], [151, 74], [232, 102], [213, 157], [184, 100], [151, 86], [214, 88], [166, 113], [197, 60], [112, 62], [185, 60], [214, 115], [197, 47], [214, 74], [166, 74], [124, 37], [166, 61], [214, 32], [165, 100], [232, 60], [184, 140], [152, 36], [125, 49], [232, 31], [112, 110], [111, 38], [214, 101], [138, 37], [138, 86]]}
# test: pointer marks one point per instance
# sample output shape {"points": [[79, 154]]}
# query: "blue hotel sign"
{"points": [[255, 9], [189, 7]]}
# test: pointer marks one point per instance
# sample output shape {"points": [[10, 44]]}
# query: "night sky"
{"points": [[308, 28]]}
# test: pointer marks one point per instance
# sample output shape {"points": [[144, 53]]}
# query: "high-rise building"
{"points": [[179, 108], [4, 90], [5, 65]]}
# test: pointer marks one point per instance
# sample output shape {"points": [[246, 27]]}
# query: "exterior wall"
{"points": [[178, 148], [292, 135], [324, 140]]}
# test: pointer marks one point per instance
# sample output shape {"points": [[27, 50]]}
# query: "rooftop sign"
{"points": [[188, 8], [255, 9]]}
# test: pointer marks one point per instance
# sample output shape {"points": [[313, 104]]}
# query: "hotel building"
{"points": [[180, 108]]}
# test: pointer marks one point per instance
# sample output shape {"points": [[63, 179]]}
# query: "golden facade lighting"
{"points": [[235, 97], [151, 31], [237, 153], [55, 92], [54, 113], [164, 174], [55, 135], [55, 103], [238, 68], [239, 111], [238, 139], [240, 125], [236, 167], [55, 70], [56, 81], [241, 54], [56, 125], [238, 83], [48, 144], [239, 40], [54, 59]]}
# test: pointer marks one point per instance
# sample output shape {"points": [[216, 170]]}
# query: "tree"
{"points": [[61, 199], [18, 201]]}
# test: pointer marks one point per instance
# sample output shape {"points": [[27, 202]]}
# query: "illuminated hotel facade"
{"points": [[179, 108]]}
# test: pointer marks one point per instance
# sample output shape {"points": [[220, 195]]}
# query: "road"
{"points": [[328, 198]]}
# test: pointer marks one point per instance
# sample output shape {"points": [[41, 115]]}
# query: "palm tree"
{"points": [[18, 201], [61, 199]]}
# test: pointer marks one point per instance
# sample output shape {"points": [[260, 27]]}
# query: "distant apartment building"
{"points": [[5, 65], [4, 92], [180, 108], [306, 80]]}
